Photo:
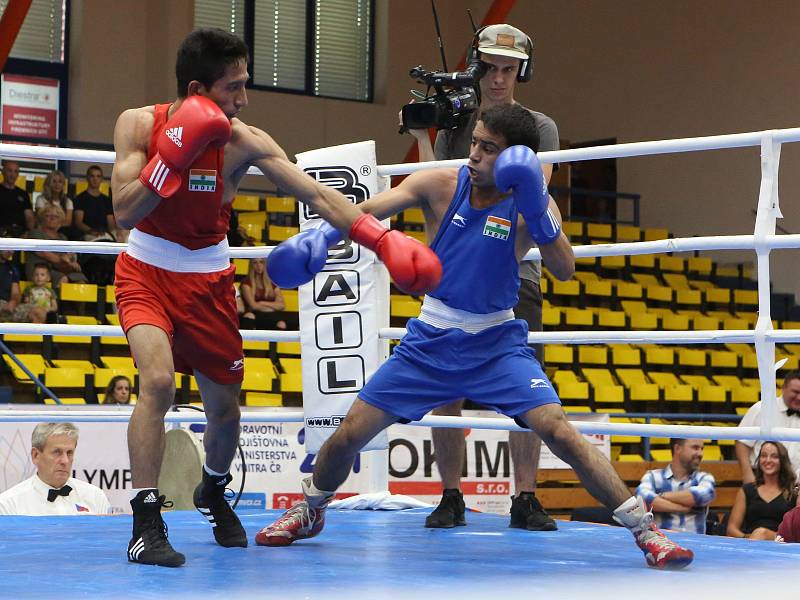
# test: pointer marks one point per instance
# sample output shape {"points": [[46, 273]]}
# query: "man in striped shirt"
{"points": [[680, 493]]}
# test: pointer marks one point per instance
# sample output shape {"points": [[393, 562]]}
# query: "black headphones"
{"points": [[525, 69]]}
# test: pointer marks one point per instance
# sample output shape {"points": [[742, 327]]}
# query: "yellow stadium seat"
{"points": [[246, 203], [661, 455], [674, 389], [82, 365], [572, 229], [644, 321], [639, 387], [612, 262], [404, 306], [677, 281], [281, 204], [671, 263], [704, 323], [55, 377], [256, 218], [35, 363], [643, 261], [551, 315], [723, 359], [38, 183], [628, 233], [691, 357], [606, 389], [242, 265], [646, 279], [558, 355], [627, 289], [570, 287], [651, 234], [598, 231], [277, 233], [712, 452], [625, 355], [111, 294], [262, 399], [699, 265], [611, 319], [81, 186], [292, 348], [578, 317], [78, 292], [118, 362], [291, 300], [112, 318], [593, 355], [675, 322], [658, 293], [48, 400], [414, 216]]}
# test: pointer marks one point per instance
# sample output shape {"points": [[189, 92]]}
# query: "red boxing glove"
{"points": [[197, 124], [414, 267]]}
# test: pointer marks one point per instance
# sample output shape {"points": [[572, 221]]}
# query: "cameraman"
{"points": [[508, 54]]}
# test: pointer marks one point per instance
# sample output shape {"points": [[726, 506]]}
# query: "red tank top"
{"points": [[195, 216]]}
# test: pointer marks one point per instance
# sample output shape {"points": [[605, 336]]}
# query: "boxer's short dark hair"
{"points": [[204, 55], [515, 123]]}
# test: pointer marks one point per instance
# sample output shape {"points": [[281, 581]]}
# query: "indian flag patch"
{"points": [[201, 180], [497, 228]]}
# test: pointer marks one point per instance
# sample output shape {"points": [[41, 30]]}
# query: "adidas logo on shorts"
{"points": [[175, 135]]}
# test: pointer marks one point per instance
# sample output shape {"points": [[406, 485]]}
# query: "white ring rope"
{"points": [[762, 241], [122, 414]]}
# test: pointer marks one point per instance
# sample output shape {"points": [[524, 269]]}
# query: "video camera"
{"points": [[444, 109]]}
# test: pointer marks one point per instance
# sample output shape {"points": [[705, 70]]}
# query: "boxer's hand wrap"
{"points": [[518, 169], [414, 267], [197, 124], [295, 261]]}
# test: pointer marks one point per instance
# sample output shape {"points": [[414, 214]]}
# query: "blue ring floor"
{"points": [[376, 555]]}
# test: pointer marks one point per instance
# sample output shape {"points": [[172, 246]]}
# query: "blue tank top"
{"points": [[477, 252]]}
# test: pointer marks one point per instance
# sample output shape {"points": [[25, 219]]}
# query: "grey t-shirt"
{"points": [[455, 143]]}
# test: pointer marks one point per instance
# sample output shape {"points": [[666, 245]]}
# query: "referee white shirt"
{"points": [[753, 419], [29, 497]]}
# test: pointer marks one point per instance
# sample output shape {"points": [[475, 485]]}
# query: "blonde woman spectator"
{"points": [[55, 194], [263, 300], [63, 265]]}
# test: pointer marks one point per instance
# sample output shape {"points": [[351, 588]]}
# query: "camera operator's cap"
{"points": [[504, 40]]}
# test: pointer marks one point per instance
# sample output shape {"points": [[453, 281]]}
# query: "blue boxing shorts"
{"points": [[432, 367]]}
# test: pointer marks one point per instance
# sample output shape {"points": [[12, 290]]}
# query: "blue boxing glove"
{"points": [[518, 169], [295, 261]]}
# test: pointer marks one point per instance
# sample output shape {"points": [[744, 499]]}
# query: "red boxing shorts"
{"points": [[196, 310]]}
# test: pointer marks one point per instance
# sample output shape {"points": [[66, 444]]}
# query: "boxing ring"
{"points": [[389, 554]]}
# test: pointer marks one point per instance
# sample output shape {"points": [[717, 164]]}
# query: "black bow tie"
{"points": [[791, 411], [53, 494]]}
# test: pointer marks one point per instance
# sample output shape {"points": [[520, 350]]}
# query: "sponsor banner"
{"points": [[488, 480], [276, 462], [29, 106], [344, 306]]}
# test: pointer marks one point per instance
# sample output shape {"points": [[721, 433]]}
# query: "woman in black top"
{"points": [[760, 506]]}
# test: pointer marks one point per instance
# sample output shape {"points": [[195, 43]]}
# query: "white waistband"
{"points": [[170, 256], [437, 313]]}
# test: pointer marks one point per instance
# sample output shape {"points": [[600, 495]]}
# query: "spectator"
{"points": [[55, 194], [118, 390], [788, 416], [94, 213], [237, 235], [63, 265], [16, 216], [789, 529], [40, 297], [760, 506], [262, 299], [680, 493], [9, 288], [51, 490]]}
